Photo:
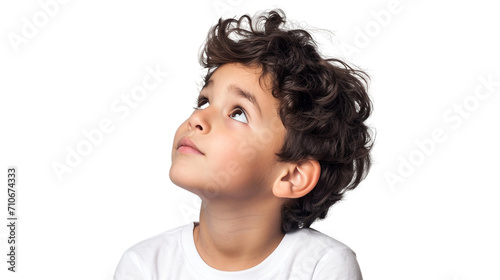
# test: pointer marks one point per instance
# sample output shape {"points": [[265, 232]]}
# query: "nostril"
{"points": [[199, 127]]}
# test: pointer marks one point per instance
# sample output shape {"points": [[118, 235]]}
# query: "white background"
{"points": [[426, 59]]}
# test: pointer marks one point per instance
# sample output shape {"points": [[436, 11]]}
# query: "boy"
{"points": [[276, 138]]}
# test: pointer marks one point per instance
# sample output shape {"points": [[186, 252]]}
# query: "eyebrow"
{"points": [[240, 92]]}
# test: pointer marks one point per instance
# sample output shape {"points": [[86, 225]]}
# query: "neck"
{"points": [[237, 235]]}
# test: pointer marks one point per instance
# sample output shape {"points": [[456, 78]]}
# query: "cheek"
{"points": [[245, 157], [227, 159], [222, 150]]}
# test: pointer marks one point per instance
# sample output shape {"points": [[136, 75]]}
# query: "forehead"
{"points": [[246, 75], [248, 79]]}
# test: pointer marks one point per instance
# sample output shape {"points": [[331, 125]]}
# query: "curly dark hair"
{"points": [[323, 104]]}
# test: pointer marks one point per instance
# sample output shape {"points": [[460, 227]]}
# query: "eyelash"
{"points": [[202, 100]]}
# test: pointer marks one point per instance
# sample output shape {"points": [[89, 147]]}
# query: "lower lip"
{"points": [[188, 150]]}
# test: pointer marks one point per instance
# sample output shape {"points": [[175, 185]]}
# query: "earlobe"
{"points": [[297, 179]]}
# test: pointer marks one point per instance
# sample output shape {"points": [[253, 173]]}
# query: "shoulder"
{"points": [[330, 257], [157, 242], [141, 259], [310, 237]]}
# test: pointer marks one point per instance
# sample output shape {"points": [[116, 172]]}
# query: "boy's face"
{"points": [[236, 132]]}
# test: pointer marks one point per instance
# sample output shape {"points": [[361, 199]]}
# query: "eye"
{"points": [[239, 114], [201, 103]]}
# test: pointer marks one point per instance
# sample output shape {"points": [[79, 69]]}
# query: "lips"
{"points": [[187, 146]]}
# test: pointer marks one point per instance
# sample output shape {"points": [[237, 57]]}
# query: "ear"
{"points": [[297, 179]]}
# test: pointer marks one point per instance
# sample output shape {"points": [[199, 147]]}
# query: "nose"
{"points": [[199, 121]]}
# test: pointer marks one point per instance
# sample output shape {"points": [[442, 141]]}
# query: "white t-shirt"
{"points": [[303, 254]]}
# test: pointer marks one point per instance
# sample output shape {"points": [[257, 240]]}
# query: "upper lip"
{"points": [[188, 142]]}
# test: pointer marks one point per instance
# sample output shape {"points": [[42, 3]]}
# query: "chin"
{"points": [[183, 180]]}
